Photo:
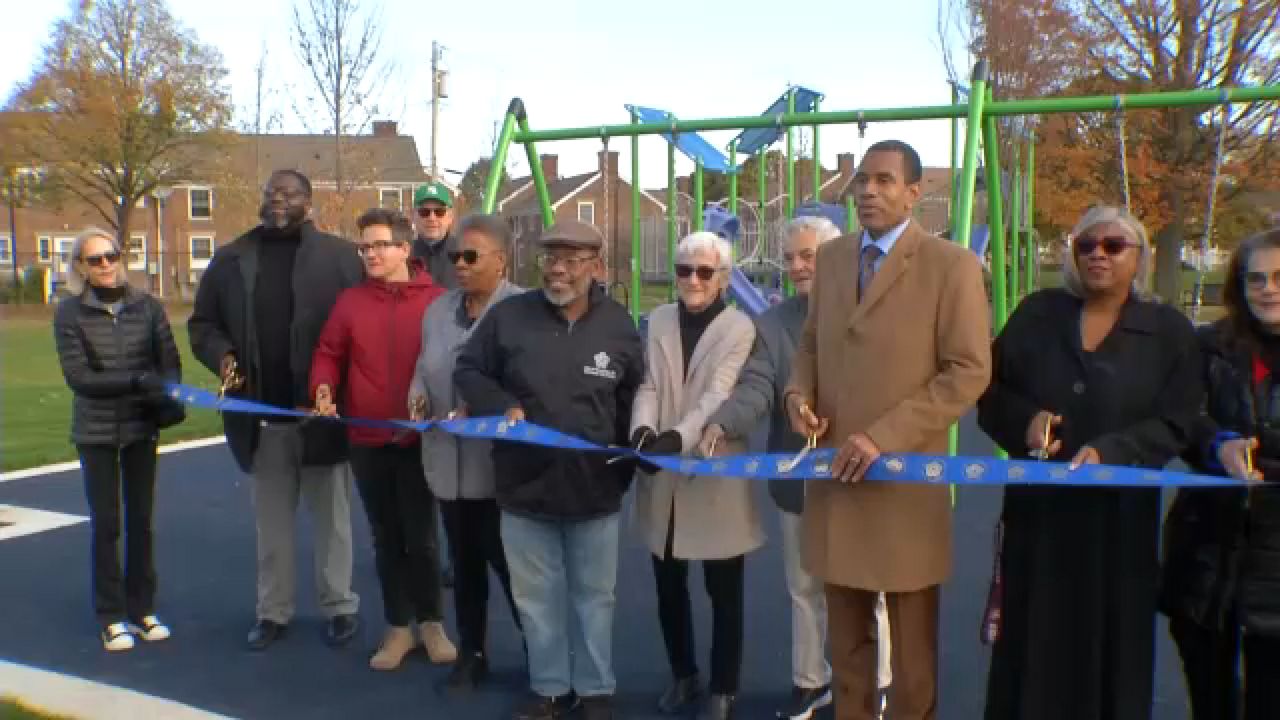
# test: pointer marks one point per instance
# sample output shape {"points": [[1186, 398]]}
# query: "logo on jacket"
{"points": [[601, 368]]}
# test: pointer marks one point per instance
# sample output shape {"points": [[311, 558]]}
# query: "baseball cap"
{"points": [[572, 232], [432, 191]]}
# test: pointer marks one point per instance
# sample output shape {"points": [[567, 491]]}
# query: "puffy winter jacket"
{"points": [[368, 351], [104, 357]]}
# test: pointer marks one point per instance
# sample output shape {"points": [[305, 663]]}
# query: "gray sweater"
{"points": [[758, 396]]}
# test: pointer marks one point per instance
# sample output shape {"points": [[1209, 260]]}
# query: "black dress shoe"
{"points": [[681, 696], [341, 629], [265, 632], [718, 707], [468, 672], [805, 702], [538, 707], [597, 707]]}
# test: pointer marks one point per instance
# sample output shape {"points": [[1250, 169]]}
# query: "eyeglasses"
{"points": [[468, 256], [1111, 245], [290, 195], [1258, 280], [379, 245], [106, 259], [426, 211], [548, 260], [705, 272]]}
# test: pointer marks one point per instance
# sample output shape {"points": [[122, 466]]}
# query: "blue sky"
{"points": [[576, 63]]}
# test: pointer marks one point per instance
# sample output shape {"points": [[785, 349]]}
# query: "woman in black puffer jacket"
{"points": [[116, 352], [1221, 583]]}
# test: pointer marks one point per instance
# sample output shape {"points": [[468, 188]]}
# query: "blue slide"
{"points": [[741, 290]]}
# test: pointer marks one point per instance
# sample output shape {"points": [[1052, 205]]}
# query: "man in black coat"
{"points": [[258, 314]]}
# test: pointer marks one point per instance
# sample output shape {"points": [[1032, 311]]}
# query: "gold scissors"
{"points": [[1042, 452], [810, 444], [230, 382]]}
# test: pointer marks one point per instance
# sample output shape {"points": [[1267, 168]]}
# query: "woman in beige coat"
{"points": [[696, 348]]}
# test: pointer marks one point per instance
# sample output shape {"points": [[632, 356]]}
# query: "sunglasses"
{"points": [[470, 257], [704, 272], [439, 212], [1111, 245], [103, 260], [1258, 280], [377, 245]]}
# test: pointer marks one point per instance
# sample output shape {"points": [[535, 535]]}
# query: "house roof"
{"points": [[391, 159], [519, 199]]}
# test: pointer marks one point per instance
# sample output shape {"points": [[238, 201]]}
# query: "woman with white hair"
{"points": [[116, 352], [1093, 373], [696, 348]]}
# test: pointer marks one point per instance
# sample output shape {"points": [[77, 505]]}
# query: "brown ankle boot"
{"points": [[439, 648], [397, 643]]}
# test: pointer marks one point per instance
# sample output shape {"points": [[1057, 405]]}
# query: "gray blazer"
{"points": [[715, 517], [758, 395], [455, 467]]}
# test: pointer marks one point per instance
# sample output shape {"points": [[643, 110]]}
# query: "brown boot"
{"points": [[439, 648], [397, 643]]}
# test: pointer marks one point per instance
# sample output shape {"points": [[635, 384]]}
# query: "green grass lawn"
{"points": [[12, 709], [35, 403]]}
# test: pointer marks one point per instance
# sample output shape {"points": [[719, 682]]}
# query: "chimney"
{"points": [[550, 166], [846, 164], [608, 167], [385, 128]]}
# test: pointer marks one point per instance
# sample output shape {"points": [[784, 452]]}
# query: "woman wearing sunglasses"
{"points": [[116, 352], [696, 348], [1095, 372], [460, 471], [366, 357], [1221, 582]]}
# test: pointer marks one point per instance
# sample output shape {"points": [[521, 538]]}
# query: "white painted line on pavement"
{"points": [[17, 521], [80, 698], [73, 465]]}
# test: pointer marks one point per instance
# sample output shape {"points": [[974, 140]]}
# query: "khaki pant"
{"points": [[279, 479], [856, 652]]}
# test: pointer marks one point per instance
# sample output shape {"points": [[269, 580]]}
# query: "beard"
{"points": [[292, 217], [561, 298]]}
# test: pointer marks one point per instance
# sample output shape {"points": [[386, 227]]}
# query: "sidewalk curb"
{"points": [[62, 467], [84, 699]]}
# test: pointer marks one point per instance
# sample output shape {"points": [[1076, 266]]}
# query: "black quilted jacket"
{"points": [[104, 355]]}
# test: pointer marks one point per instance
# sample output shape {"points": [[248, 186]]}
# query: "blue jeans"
{"points": [[559, 568]]}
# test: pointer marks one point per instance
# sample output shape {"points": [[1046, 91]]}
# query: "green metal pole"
{"points": [[791, 156], [637, 249], [535, 169], [671, 220], [733, 178], [697, 195], [1033, 246], [1015, 230], [493, 182], [850, 213], [817, 157], [995, 225]]}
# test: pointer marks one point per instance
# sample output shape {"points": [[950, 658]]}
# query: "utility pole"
{"points": [[437, 92]]}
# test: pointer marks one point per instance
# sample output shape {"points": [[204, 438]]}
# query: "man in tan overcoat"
{"points": [[895, 348]]}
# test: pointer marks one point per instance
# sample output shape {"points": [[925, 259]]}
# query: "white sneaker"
{"points": [[151, 630], [117, 637]]}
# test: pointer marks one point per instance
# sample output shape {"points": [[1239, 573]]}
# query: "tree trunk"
{"points": [[1168, 244]]}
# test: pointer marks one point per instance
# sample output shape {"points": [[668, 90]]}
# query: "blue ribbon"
{"points": [[816, 465]]}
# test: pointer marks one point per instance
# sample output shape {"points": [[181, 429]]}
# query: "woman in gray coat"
{"points": [[696, 349], [460, 471]]}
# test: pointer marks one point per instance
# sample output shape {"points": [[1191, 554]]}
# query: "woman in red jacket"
{"points": [[367, 352]]}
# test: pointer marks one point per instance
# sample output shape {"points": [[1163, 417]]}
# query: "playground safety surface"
{"points": [[205, 558]]}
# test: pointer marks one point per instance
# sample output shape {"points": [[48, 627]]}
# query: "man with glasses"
{"points": [[567, 357], [258, 314], [433, 221]]}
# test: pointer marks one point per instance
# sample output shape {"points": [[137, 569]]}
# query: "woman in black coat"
{"points": [[116, 352], [1221, 583], [1094, 373]]}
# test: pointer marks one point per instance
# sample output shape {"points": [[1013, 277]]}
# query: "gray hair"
{"points": [[76, 281], [1130, 225], [703, 240], [491, 226], [823, 228]]}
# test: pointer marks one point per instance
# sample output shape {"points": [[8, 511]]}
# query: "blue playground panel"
{"points": [[693, 145], [756, 139]]}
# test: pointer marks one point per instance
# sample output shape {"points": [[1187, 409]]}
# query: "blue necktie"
{"points": [[867, 269]]}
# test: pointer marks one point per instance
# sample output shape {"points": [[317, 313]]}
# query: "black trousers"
{"points": [[723, 580], [1210, 664], [110, 474], [474, 532], [402, 516]]}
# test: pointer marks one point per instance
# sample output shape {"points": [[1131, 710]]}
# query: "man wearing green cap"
{"points": [[433, 220]]}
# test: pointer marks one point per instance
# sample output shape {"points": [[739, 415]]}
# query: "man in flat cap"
{"points": [[565, 357]]}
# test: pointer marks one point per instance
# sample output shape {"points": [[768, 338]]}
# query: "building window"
{"points": [[200, 203], [201, 251], [6, 250], [389, 198], [137, 251], [44, 249], [587, 212]]}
